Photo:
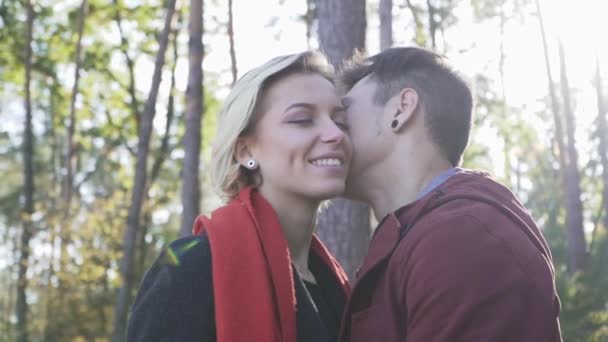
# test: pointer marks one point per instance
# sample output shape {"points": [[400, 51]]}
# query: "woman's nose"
{"points": [[332, 133]]}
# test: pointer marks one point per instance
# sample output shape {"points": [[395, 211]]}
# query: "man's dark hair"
{"points": [[444, 95]]}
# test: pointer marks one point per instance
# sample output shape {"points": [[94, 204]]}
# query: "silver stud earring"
{"points": [[252, 164]]}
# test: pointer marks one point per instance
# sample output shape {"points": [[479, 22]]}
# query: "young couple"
{"points": [[456, 257]]}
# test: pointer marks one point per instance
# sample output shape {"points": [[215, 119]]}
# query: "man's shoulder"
{"points": [[450, 251], [448, 217], [468, 237], [458, 223]]}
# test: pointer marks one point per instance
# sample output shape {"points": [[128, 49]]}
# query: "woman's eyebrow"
{"points": [[304, 105]]}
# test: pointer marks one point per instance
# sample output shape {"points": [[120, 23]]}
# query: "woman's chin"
{"points": [[327, 191]]}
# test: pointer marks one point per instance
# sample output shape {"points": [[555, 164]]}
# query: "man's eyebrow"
{"points": [[338, 109], [301, 105]]}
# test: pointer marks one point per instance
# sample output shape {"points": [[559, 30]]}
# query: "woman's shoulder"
{"points": [[175, 299], [184, 262], [187, 252]]}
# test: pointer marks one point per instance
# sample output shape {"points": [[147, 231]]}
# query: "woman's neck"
{"points": [[297, 217]]}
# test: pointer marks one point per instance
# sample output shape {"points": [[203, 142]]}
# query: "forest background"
{"points": [[107, 110]]}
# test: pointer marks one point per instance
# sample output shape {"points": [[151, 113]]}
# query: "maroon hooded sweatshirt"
{"points": [[466, 262]]}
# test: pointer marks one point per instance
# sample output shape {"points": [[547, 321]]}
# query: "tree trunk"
{"points": [[28, 175], [55, 157], [67, 187], [64, 230], [577, 246], [194, 112], [12, 289], [419, 36], [386, 24], [575, 236], [345, 225], [139, 184], [134, 103], [8, 308], [157, 165], [53, 228], [432, 24], [47, 331], [559, 134], [603, 142], [233, 67], [309, 18], [342, 25], [507, 167]]}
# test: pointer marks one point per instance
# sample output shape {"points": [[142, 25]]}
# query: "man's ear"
{"points": [[407, 107], [242, 151]]}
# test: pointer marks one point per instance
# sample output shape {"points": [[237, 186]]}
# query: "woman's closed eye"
{"points": [[300, 121]]}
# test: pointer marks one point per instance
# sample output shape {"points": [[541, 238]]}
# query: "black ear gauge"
{"points": [[394, 124]]}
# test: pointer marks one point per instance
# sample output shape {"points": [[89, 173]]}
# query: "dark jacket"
{"points": [[464, 263], [253, 284], [175, 300]]}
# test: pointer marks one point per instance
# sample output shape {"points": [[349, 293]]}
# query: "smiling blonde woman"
{"points": [[254, 270]]}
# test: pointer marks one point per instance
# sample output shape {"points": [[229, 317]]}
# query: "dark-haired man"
{"points": [[456, 256]]}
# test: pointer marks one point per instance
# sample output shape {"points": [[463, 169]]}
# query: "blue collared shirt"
{"points": [[437, 181]]}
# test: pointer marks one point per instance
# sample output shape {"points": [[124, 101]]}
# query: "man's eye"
{"points": [[342, 125]]}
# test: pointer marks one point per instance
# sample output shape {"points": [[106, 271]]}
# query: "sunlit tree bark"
{"points": [[577, 247], [576, 250], [603, 142]]}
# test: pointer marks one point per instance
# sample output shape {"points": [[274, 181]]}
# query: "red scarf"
{"points": [[253, 284]]}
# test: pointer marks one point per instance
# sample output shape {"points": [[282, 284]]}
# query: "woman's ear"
{"points": [[242, 152], [406, 108]]}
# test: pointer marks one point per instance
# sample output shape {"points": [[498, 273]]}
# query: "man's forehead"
{"points": [[367, 81], [365, 85]]}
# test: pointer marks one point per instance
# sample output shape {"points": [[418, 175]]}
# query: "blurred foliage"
{"points": [[75, 253]]}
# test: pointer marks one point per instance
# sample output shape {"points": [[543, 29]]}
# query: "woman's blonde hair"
{"points": [[240, 110]]}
